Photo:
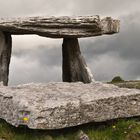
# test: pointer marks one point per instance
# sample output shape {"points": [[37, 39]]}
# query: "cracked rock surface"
{"points": [[61, 27], [60, 105]]}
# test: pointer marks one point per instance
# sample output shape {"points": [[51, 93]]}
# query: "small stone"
{"points": [[125, 132], [82, 136]]}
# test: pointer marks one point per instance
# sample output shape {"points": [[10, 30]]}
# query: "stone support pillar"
{"points": [[74, 65], [5, 55]]}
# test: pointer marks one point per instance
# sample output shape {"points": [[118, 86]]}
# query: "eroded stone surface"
{"points": [[74, 65], [59, 105], [5, 56], [61, 27]]}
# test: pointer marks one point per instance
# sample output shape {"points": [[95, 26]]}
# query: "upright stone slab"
{"points": [[5, 55], [74, 65]]}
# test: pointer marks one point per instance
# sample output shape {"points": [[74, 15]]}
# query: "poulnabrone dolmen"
{"points": [[68, 28], [76, 100]]}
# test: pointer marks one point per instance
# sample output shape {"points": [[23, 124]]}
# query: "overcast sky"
{"points": [[38, 59]]}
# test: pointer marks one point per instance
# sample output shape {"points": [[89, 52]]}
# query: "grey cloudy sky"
{"points": [[38, 59]]}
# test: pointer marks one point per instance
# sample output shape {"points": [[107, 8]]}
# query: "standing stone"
{"points": [[74, 65], [5, 55]]}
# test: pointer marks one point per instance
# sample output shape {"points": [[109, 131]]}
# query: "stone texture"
{"points": [[61, 27], [60, 105], [74, 65], [5, 56]]}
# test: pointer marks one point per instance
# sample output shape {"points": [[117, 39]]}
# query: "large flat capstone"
{"points": [[60, 105], [61, 27]]}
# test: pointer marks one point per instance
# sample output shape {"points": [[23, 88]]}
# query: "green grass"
{"points": [[121, 129], [127, 84]]}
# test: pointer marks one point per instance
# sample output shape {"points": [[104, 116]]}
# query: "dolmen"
{"points": [[79, 99]]}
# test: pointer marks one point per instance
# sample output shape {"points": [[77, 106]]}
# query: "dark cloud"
{"points": [[36, 62], [44, 55], [32, 69], [63, 7]]}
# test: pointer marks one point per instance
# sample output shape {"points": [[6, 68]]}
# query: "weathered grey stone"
{"points": [[74, 67], [61, 27], [60, 105], [5, 56]]}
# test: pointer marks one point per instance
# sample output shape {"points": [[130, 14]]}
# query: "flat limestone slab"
{"points": [[61, 27], [60, 105]]}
